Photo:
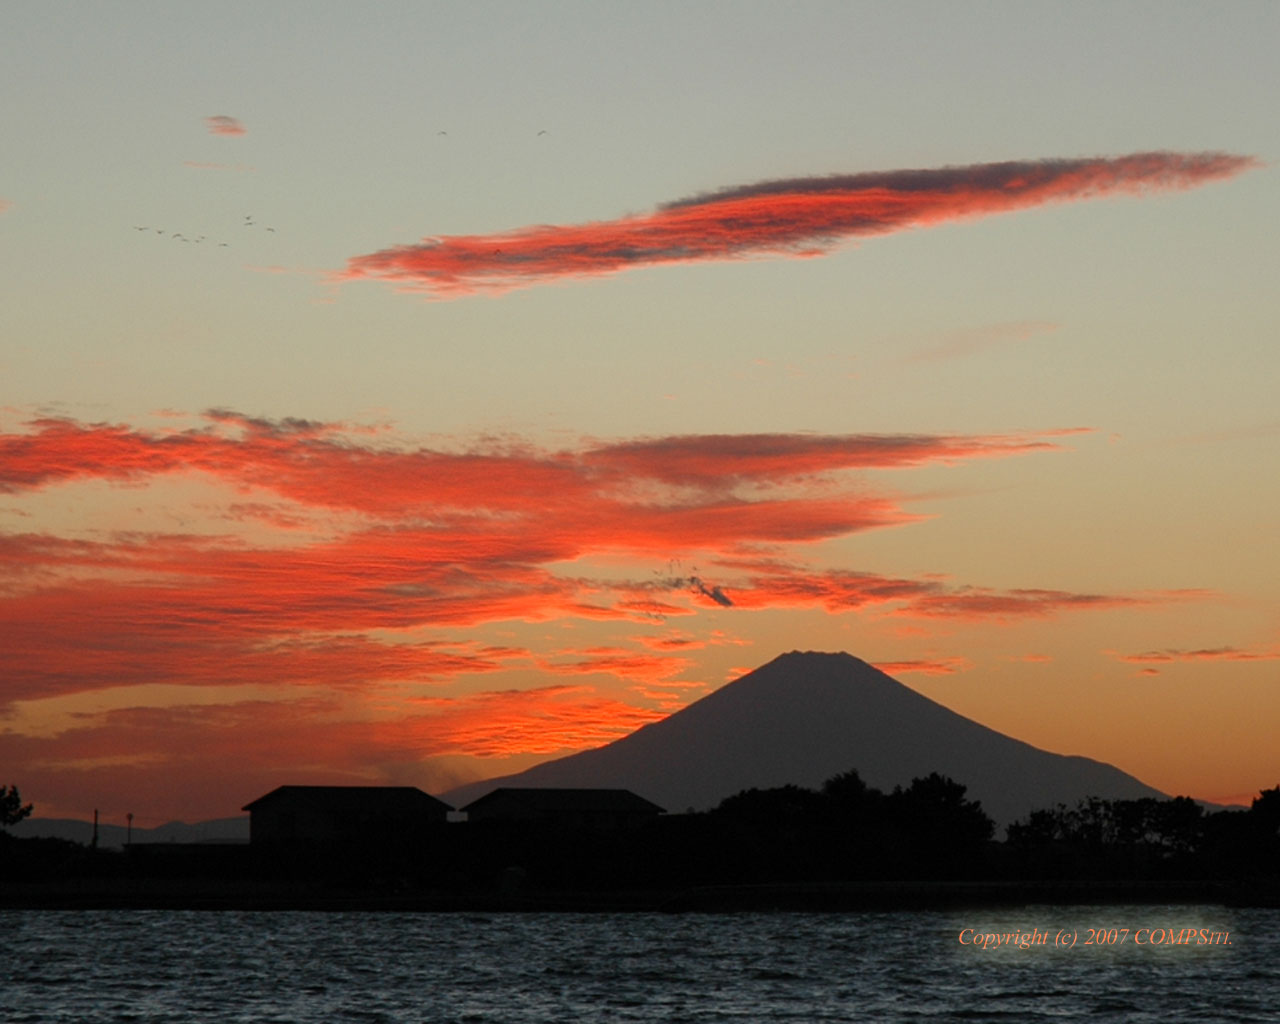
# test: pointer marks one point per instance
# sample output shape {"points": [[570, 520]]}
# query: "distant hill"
{"points": [[805, 717], [221, 830]]}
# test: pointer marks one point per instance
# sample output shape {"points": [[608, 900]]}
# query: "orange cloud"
{"points": [[544, 720], [348, 546], [775, 584], [932, 667], [672, 641], [795, 217], [1170, 656], [619, 662], [982, 603], [319, 465], [221, 124]]}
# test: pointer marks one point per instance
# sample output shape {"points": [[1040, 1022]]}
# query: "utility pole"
{"points": [[94, 844], [128, 831]]}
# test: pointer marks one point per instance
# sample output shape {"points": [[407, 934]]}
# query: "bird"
{"points": [[543, 132]]}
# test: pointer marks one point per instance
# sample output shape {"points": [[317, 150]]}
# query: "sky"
{"points": [[408, 393]]}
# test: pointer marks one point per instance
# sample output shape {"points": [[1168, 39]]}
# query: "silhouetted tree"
{"points": [[1266, 810], [12, 810], [935, 807], [1179, 825], [768, 834], [1039, 828], [781, 805], [848, 791]]}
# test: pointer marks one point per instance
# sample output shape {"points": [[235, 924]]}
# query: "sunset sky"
{"points": [[408, 393]]}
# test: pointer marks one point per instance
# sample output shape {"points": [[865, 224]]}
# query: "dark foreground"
{"points": [[846, 848]]}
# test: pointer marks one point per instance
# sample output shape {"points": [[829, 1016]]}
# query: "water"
{"points": [[318, 968]]}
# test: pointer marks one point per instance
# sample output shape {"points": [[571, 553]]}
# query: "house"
{"points": [[322, 814], [574, 808]]}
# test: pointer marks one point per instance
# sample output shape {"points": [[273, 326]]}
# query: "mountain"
{"points": [[221, 830], [807, 716]]}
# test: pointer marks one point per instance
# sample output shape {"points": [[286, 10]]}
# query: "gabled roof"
{"points": [[568, 800], [354, 799]]}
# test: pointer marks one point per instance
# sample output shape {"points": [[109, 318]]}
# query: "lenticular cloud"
{"points": [[785, 218]]}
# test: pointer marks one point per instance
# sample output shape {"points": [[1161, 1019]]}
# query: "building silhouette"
{"points": [[342, 814], [570, 808]]}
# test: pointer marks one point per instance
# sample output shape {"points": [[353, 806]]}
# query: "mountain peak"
{"points": [[808, 715]]}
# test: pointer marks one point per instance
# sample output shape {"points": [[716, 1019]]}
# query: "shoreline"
{"points": [[216, 895]]}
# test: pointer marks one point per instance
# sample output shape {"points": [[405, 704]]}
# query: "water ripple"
{"points": [[158, 967]]}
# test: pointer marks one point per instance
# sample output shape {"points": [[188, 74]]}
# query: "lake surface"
{"points": [[1172, 964]]}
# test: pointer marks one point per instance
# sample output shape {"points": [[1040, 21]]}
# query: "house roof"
{"points": [[568, 800], [353, 799]]}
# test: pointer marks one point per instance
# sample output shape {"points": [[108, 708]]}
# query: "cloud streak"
{"points": [[794, 217], [1150, 659], [779, 585], [931, 667], [221, 124], [694, 477]]}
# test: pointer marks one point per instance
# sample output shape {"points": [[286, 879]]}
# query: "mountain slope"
{"points": [[221, 830], [804, 717]]}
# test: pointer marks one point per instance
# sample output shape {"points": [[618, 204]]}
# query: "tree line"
{"points": [[844, 831]]}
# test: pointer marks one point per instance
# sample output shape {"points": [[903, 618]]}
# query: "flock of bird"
{"points": [[178, 236], [248, 222]]}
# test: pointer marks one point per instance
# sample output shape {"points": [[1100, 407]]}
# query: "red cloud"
{"points": [[724, 459], [361, 543], [221, 124], [794, 217], [516, 504], [315, 463]]}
